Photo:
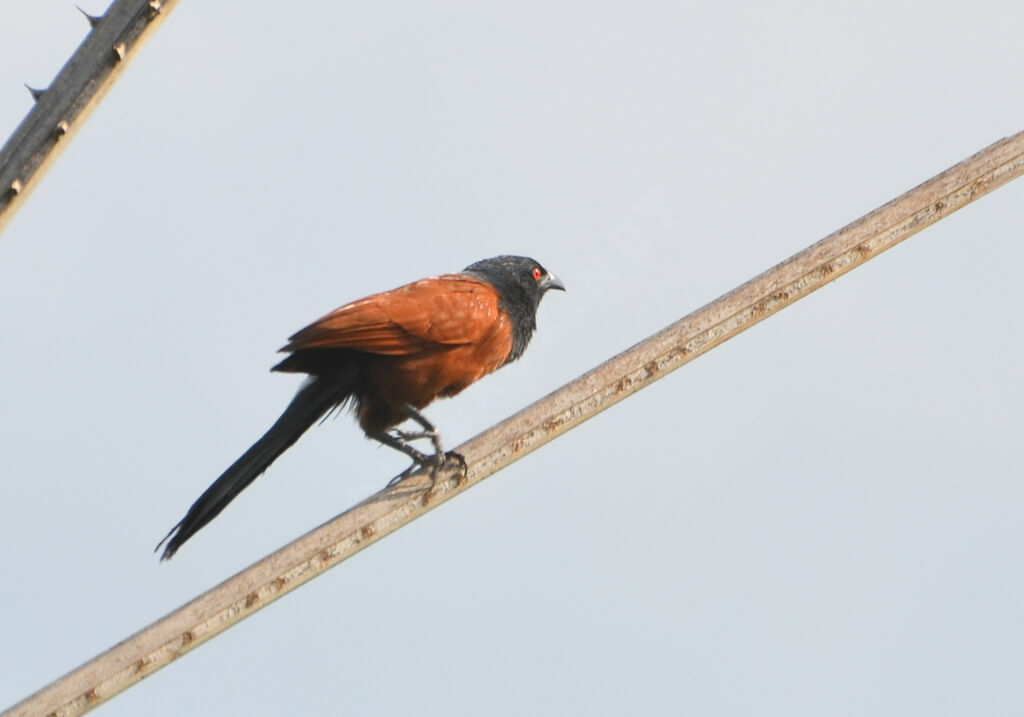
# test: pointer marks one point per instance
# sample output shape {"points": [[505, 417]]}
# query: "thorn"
{"points": [[94, 20], [62, 128], [36, 94], [119, 50], [16, 186]]}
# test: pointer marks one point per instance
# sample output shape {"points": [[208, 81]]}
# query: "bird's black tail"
{"points": [[314, 400]]}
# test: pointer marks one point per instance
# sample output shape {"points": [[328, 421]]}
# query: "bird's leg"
{"points": [[411, 435], [399, 440], [429, 431], [399, 445], [396, 442]]}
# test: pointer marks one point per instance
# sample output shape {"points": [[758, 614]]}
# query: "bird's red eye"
{"points": [[537, 273]]}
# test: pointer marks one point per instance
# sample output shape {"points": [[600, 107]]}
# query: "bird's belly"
{"points": [[390, 382]]}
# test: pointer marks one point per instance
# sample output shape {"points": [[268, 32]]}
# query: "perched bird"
{"points": [[387, 356]]}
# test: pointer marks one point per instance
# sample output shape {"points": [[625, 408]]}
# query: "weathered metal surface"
{"points": [[240, 596]]}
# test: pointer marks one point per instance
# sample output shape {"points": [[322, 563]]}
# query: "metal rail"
{"points": [[240, 596]]}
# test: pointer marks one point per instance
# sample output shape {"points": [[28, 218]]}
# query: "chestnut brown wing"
{"points": [[444, 310]]}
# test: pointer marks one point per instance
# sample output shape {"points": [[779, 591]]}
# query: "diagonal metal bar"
{"points": [[240, 596], [61, 108]]}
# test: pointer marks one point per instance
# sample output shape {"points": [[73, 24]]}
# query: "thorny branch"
{"points": [[61, 108]]}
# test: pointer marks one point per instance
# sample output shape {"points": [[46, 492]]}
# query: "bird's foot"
{"points": [[436, 463], [436, 460], [400, 440]]}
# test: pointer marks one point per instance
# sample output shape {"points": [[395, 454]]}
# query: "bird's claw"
{"points": [[436, 463], [403, 475]]}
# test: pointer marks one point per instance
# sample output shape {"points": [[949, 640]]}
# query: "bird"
{"points": [[386, 357]]}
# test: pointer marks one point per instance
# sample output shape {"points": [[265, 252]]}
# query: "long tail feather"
{"points": [[315, 399]]}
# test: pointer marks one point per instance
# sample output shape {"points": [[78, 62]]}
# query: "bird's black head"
{"points": [[521, 282]]}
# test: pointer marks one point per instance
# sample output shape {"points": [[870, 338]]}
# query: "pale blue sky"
{"points": [[820, 517]]}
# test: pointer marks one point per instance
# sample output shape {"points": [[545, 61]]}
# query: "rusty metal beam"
{"points": [[265, 581]]}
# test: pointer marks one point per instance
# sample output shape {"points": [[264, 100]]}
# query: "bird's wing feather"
{"points": [[444, 310]]}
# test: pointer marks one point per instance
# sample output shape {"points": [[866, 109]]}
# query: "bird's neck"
{"points": [[524, 322]]}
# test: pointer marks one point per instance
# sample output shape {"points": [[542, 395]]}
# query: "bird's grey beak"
{"points": [[552, 282]]}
